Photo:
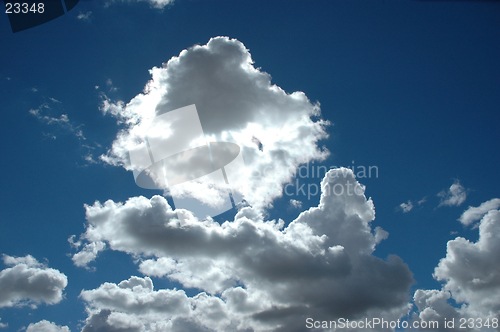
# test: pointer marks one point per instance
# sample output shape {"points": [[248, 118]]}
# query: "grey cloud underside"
{"points": [[98, 322], [252, 274], [29, 282], [236, 103], [261, 275], [470, 273], [333, 274]]}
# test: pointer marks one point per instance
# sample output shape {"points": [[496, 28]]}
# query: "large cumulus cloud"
{"points": [[252, 274], [237, 103]]}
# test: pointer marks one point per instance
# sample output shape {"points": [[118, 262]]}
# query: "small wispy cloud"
{"points": [[47, 119], [55, 122], [84, 16], [63, 124], [90, 159], [406, 207], [62, 121], [48, 135], [159, 4], [295, 203], [454, 196], [109, 83]]}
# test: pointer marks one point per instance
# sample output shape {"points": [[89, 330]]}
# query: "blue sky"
{"points": [[410, 87]]}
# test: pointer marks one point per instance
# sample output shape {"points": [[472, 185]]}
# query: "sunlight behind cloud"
{"points": [[236, 103]]}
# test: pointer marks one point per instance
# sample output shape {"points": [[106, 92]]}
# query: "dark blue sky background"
{"points": [[411, 87]]}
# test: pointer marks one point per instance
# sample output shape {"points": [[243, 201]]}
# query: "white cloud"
{"points": [[84, 16], [62, 121], [472, 270], [470, 273], [295, 203], [51, 136], [433, 306], [88, 253], [110, 85], [2, 325], [473, 214], [46, 326], [406, 207], [455, 196], [62, 124], [253, 274], [29, 282], [28, 260], [237, 103], [160, 4]]}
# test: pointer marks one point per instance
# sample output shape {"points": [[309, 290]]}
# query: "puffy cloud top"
{"points": [[472, 270], [46, 326], [470, 273], [252, 273], [29, 281], [237, 103]]}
